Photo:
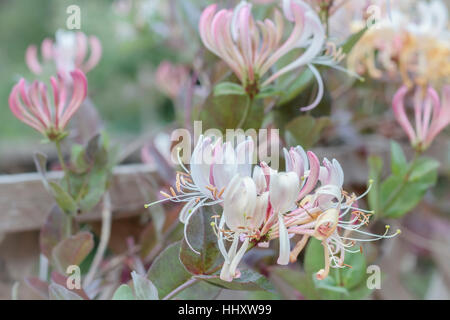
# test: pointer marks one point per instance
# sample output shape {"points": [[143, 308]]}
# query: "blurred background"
{"points": [[137, 36]]}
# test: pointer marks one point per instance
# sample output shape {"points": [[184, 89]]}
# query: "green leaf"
{"points": [[353, 40], [72, 250], [305, 130], [58, 292], [144, 288], [398, 159], [297, 86], [314, 257], [375, 167], [124, 292], [203, 239], [423, 168], [226, 111], [200, 291], [228, 88], [97, 183], [297, 280], [167, 272], [249, 281], [340, 281], [401, 194], [267, 92], [63, 199], [354, 276]]}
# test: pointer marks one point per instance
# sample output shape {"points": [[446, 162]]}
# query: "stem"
{"points": [[104, 239], [400, 188], [68, 225], [246, 112], [184, 286], [60, 156], [63, 165]]}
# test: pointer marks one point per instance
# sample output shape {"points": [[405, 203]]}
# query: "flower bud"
{"points": [[284, 189], [239, 203]]}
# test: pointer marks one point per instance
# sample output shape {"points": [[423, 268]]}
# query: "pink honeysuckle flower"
{"points": [[68, 52], [171, 78], [431, 114], [251, 48], [32, 105]]}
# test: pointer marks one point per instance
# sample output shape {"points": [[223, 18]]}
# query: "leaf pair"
{"points": [[401, 191]]}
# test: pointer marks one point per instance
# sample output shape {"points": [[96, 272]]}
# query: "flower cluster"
{"points": [[252, 47], [32, 105], [68, 52], [261, 204]]}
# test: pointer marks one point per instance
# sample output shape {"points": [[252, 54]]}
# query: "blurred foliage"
{"points": [[118, 86]]}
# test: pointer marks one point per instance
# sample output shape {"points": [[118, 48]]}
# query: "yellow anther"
{"points": [[399, 231], [146, 206]]}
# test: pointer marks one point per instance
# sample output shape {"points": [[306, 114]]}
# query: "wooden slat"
{"points": [[24, 202]]}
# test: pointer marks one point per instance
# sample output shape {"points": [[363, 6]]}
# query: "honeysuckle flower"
{"points": [[431, 114], [417, 48], [243, 214], [251, 47], [32, 105], [322, 214], [212, 167], [171, 78], [283, 192], [68, 52]]}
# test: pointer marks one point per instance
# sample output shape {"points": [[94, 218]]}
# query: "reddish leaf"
{"points": [[72, 251]]}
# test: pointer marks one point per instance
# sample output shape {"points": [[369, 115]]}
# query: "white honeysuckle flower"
{"points": [[239, 202], [243, 213], [260, 179], [284, 189], [212, 166]]}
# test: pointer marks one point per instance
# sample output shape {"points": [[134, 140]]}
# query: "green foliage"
{"points": [[90, 172], [124, 292], [167, 272], [341, 283], [226, 111], [248, 281], [305, 130], [228, 88], [144, 289], [63, 199], [375, 167], [405, 187]]}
